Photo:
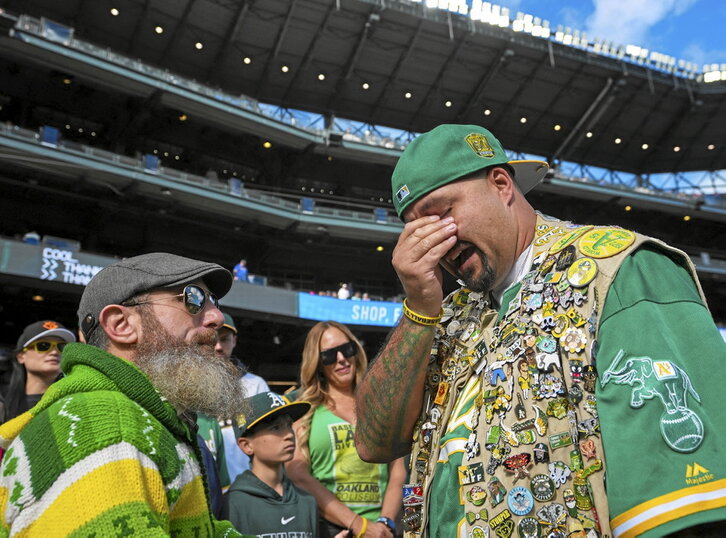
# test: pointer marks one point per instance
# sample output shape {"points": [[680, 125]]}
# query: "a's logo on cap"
{"points": [[277, 400], [402, 193], [241, 420], [480, 145], [50, 325]]}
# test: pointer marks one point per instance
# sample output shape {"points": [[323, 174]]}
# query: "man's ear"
{"points": [[121, 324], [245, 446], [503, 182]]}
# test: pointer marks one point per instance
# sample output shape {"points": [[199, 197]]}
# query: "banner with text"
{"points": [[348, 311]]}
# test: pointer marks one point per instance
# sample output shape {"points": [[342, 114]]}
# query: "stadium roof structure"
{"points": [[402, 65]]}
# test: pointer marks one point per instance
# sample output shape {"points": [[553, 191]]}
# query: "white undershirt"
{"points": [[516, 273]]}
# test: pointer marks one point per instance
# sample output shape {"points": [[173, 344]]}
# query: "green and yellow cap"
{"points": [[265, 405], [449, 152]]}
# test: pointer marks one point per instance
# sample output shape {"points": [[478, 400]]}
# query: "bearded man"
{"points": [[110, 449]]}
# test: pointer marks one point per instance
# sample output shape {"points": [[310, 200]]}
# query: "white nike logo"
{"points": [[286, 520]]}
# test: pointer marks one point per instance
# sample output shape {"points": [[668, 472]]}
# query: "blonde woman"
{"points": [[363, 497]]}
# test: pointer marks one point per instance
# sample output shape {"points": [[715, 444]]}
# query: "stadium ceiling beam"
{"points": [[484, 81], [437, 81], [564, 89], [276, 49], [512, 104], [352, 60], [137, 28], [232, 30], [392, 78], [177, 31], [309, 53], [533, 75], [593, 112]]}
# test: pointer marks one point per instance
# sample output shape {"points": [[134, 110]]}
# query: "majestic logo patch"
{"points": [[696, 474], [681, 428], [480, 145], [402, 193]]}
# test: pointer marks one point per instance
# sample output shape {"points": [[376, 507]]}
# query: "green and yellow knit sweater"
{"points": [[102, 455]]}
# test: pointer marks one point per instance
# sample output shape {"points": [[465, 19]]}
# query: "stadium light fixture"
{"points": [[487, 112], [644, 146], [115, 12], [321, 76], [588, 134], [284, 69], [379, 248], [710, 147], [183, 117], [557, 127], [365, 85], [686, 217], [267, 144], [38, 298], [247, 60], [408, 95], [198, 45], [80, 130], [67, 81], [522, 120], [93, 133], [617, 140], [628, 208], [159, 29], [676, 148], [448, 104]]}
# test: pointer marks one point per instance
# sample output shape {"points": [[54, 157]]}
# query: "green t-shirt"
{"points": [[211, 432], [335, 463], [652, 311]]}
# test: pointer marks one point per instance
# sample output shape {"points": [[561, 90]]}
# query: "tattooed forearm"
{"points": [[389, 400]]}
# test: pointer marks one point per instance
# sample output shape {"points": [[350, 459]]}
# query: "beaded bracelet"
{"points": [[419, 318]]}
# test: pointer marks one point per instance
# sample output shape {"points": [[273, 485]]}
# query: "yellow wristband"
{"points": [[419, 318], [363, 528]]}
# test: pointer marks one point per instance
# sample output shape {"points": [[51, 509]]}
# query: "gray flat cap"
{"points": [[125, 279]]}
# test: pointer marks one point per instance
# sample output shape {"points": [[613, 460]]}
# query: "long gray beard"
{"points": [[190, 375]]}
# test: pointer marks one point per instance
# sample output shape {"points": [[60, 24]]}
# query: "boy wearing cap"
{"points": [[623, 359], [110, 449], [262, 500]]}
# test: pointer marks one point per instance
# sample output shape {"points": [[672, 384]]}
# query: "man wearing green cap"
{"points": [[564, 344]]}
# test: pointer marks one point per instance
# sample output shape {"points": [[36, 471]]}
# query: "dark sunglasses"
{"points": [[329, 356], [193, 296], [45, 347]]}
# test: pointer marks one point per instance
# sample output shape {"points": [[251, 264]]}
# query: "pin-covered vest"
{"points": [[522, 382]]}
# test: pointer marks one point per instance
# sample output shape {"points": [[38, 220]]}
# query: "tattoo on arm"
{"points": [[389, 399]]}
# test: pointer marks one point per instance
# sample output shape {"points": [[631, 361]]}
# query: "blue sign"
{"points": [[348, 311]]}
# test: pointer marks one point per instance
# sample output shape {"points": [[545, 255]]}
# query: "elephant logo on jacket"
{"points": [[681, 427]]}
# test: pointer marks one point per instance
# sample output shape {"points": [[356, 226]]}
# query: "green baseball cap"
{"points": [[229, 323], [265, 405], [449, 152]]}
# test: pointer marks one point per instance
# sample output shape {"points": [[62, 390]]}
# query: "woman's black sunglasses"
{"points": [[329, 356], [193, 296]]}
